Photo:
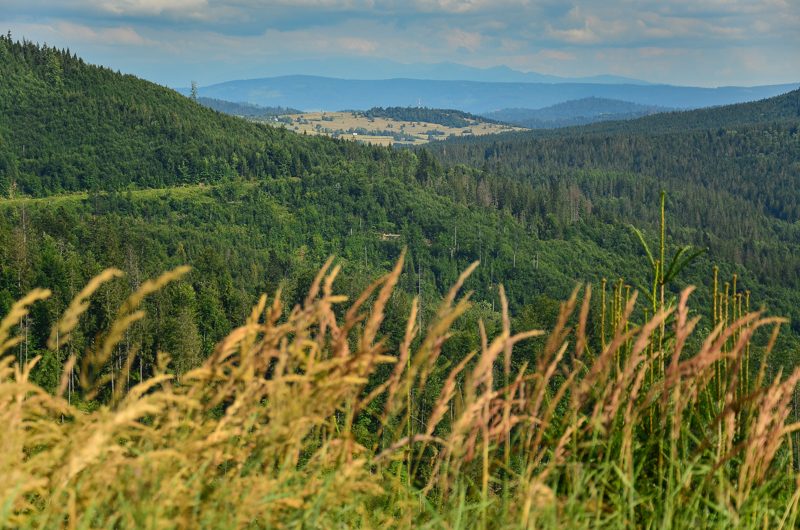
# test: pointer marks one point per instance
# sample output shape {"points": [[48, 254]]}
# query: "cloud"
{"points": [[466, 6], [761, 26], [592, 28], [583, 35], [674, 41], [557, 54], [124, 36], [457, 38], [650, 52], [150, 7], [359, 45], [656, 33]]}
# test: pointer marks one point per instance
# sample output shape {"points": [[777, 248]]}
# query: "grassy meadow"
{"points": [[417, 132]]}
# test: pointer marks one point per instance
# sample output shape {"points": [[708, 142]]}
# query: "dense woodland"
{"points": [[244, 109], [785, 108], [733, 190], [101, 169], [448, 117], [575, 112]]}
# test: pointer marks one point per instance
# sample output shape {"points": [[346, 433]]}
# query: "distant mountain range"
{"points": [[372, 69], [324, 93], [784, 108], [576, 112]]}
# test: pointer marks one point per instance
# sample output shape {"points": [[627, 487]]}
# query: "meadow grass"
{"points": [[347, 120], [269, 431]]}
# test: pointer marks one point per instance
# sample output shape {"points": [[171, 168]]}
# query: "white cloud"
{"points": [[559, 55], [150, 7], [466, 6], [77, 33], [660, 40], [457, 38], [761, 26], [358, 45], [583, 35]]}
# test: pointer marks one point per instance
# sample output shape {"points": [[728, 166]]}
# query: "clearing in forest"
{"points": [[379, 130]]}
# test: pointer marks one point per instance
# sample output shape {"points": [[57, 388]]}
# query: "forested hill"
{"points": [[252, 208], [735, 189], [245, 109], [575, 112], [448, 117], [67, 126], [783, 108]]}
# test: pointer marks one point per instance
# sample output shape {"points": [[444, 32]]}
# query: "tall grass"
{"points": [[287, 425]]}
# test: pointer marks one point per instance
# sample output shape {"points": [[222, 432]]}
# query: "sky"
{"points": [[685, 42]]}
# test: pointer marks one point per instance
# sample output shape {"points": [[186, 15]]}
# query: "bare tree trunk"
{"points": [[419, 293], [19, 279], [480, 247]]}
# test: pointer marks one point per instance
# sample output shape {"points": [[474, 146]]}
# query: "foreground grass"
{"points": [[288, 425]]}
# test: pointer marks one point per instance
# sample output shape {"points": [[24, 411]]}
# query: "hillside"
{"points": [[244, 109], [447, 117], [736, 184], [270, 206], [390, 127], [576, 112], [69, 126], [184, 407], [250, 206], [781, 108]]}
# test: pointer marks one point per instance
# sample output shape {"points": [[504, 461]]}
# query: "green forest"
{"points": [[446, 117], [161, 181], [576, 112], [785, 108], [244, 109], [103, 170]]}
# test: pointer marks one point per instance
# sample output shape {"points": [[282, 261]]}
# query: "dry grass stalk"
{"points": [[264, 432]]}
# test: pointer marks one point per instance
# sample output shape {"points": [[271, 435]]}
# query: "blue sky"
{"points": [[688, 42]]}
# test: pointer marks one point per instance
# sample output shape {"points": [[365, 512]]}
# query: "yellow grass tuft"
{"points": [[267, 432]]}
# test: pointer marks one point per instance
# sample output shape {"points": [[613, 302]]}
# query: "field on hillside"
{"points": [[379, 131]]}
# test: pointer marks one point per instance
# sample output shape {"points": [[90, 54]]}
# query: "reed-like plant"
{"points": [[269, 432]]}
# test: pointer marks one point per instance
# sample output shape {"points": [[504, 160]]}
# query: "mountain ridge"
{"points": [[576, 112], [322, 93], [377, 69], [781, 108]]}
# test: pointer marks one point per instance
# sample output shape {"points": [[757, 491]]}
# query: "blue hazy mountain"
{"points": [[372, 69], [325, 93], [576, 112]]}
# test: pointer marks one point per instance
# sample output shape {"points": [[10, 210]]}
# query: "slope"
{"points": [[780, 108], [281, 205], [733, 188], [575, 112], [244, 109], [69, 126]]}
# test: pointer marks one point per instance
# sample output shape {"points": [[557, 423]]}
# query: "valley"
{"points": [[222, 315]]}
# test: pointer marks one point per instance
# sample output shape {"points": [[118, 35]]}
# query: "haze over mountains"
{"points": [[576, 112], [372, 69], [324, 93]]}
